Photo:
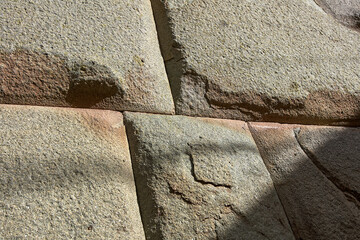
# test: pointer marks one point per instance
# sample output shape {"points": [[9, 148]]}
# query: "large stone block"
{"points": [[94, 54], [202, 179], [316, 174], [65, 174], [275, 60]]}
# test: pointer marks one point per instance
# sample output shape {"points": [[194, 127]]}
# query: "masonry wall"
{"points": [[179, 119]]}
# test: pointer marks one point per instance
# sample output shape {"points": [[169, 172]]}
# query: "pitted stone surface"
{"points": [[65, 174], [276, 60], [202, 179], [345, 11], [93, 54], [316, 174]]}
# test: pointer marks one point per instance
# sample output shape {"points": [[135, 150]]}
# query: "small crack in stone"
{"points": [[181, 195]]}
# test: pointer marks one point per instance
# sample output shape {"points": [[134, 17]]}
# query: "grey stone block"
{"points": [[202, 179], [276, 60], [65, 174]]}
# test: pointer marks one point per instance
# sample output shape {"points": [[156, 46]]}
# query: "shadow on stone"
{"points": [[315, 170], [202, 179], [65, 174], [91, 83], [347, 12], [45, 79], [193, 185]]}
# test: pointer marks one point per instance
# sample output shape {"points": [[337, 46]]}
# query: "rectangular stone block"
{"points": [[275, 60], [94, 54], [65, 174], [316, 174], [202, 178]]}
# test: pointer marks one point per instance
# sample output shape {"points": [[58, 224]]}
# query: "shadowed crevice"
{"points": [[175, 191], [170, 49], [201, 96]]}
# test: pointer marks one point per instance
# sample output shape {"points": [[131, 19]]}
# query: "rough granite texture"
{"points": [[202, 179], [65, 174], [316, 174], [66, 171], [345, 11], [93, 54], [275, 60]]}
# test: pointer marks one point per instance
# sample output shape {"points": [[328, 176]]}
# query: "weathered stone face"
{"points": [[273, 60], [345, 11], [65, 174], [202, 179], [93, 54], [66, 170], [316, 174]]}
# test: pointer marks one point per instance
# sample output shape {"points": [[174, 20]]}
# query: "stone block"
{"points": [[94, 54], [65, 174], [276, 60], [202, 178]]}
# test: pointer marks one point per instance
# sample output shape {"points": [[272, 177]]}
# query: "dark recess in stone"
{"points": [[90, 84]]}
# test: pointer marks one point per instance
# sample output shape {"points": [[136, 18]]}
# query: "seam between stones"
{"points": [[97, 109], [276, 191], [350, 195], [327, 10], [132, 156], [178, 58], [170, 114]]}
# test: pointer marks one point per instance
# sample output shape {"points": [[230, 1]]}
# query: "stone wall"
{"points": [[180, 119]]}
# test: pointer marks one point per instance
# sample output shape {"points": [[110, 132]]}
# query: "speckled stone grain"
{"points": [[93, 54], [202, 178], [275, 60], [65, 174]]}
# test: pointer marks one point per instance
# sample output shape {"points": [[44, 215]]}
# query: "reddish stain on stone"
{"points": [[28, 77]]}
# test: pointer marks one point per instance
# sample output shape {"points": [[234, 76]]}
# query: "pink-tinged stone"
{"points": [[65, 174], [316, 174]]}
